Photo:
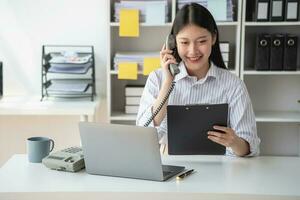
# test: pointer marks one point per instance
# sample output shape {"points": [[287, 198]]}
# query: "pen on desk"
{"points": [[185, 174]]}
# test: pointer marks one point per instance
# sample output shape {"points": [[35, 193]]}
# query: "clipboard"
{"points": [[188, 126]]}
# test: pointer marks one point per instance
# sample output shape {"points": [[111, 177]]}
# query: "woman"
{"points": [[203, 78]]}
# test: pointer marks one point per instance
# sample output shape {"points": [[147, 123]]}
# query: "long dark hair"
{"points": [[198, 15]]}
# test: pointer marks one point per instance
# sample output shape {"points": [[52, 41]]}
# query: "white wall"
{"points": [[25, 25]]}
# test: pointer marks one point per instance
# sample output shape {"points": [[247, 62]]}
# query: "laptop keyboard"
{"points": [[166, 173]]}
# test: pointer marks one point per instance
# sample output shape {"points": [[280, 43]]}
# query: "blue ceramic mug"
{"points": [[38, 148]]}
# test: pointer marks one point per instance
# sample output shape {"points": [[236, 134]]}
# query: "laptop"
{"points": [[124, 151], [188, 126]]}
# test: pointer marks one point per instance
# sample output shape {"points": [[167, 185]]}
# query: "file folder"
{"points": [[277, 44], [262, 54], [250, 11], [262, 10], [292, 10], [290, 52], [277, 8]]}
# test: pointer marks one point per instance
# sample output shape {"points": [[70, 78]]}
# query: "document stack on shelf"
{"points": [[137, 57], [224, 47], [143, 6], [222, 10], [132, 98], [230, 10]]}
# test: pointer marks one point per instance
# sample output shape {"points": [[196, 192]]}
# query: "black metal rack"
{"points": [[68, 76]]}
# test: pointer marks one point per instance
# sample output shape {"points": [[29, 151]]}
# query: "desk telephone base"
{"points": [[69, 159]]}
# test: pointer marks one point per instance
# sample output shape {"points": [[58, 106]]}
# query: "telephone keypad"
{"points": [[73, 150]]}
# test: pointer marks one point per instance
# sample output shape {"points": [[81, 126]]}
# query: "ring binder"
{"points": [[277, 43], [292, 10], [290, 52], [262, 57], [250, 11], [262, 10], [277, 10]]}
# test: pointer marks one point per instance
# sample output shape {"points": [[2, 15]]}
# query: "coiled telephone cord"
{"points": [[161, 104]]}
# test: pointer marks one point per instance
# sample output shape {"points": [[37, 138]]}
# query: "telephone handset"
{"points": [[171, 44]]}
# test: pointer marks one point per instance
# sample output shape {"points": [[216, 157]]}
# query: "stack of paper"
{"points": [[70, 68], [132, 97], [70, 62], [74, 59], [145, 8], [224, 47], [67, 87], [230, 10], [222, 10], [137, 57]]}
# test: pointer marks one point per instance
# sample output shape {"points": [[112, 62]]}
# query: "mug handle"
{"points": [[51, 145]]}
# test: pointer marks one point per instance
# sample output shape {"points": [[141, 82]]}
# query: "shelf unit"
{"points": [[254, 72], [228, 31], [278, 116], [274, 94], [68, 76]]}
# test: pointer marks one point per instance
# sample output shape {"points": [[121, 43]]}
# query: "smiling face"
{"points": [[194, 45]]}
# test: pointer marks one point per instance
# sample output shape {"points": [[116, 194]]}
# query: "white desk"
{"points": [[217, 177], [22, 105]]}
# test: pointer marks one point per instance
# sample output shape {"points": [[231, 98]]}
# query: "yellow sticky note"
{"points": [[128, 70], [129, 23], [150, 64]]}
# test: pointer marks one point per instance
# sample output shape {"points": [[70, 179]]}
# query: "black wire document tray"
{"points": [[68, 71], [188, 126]]}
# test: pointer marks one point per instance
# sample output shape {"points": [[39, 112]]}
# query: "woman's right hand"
{"points": [[166, 58]]}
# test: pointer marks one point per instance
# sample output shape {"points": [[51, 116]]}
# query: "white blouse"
{"points": [[218, 86]]}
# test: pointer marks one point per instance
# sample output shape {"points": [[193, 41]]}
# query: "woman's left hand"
{"points": [[228, 138]]}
